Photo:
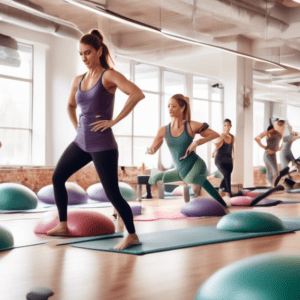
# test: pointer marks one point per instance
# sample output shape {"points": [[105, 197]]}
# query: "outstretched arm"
{"points": [[292, 138], [158, 140]]}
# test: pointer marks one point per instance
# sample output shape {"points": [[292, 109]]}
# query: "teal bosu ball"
{"points": [[251, 221], [6, 239], [264, 277], [15, 196]]}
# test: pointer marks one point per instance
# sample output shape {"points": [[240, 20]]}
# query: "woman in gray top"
{"points": [[273, 136], [286, 155]]}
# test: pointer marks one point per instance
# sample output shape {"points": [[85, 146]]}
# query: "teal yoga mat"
{"points": [[46, 208], [180, 238], [92, 238], [294, 191]]}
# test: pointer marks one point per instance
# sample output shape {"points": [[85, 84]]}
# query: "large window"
{"points": [[15, 102], [136, 132], [207, 106]]}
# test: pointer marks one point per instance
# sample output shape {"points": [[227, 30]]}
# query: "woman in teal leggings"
{"points": [[179, 135]]}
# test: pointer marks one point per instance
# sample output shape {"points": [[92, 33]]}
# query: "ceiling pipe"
{"points": [[28, 20], [228, 10]]}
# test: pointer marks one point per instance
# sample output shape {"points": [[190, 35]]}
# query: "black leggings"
{"points": [[106, 164], [226, 170]]}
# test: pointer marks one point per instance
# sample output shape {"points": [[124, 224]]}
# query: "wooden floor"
{"points": [[74, 273]]}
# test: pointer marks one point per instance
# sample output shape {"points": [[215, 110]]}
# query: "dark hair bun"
{"points": [[98, 34]]}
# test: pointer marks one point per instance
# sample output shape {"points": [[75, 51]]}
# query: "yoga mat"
{"points": [[290, 202], [91, 238], [176, 239], [165, 215], [26, 245], [294, 191], [264, 202], [292, 223], [53, 207], [73, 241]]}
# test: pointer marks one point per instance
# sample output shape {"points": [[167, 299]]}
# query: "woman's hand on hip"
{"points": [[270, 151], [102, 125], [192, 147]]}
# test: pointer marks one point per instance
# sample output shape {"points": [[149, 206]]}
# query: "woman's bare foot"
{"points": [[60, 229], [129, 240]]}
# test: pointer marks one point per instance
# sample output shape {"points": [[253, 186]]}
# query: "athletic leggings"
{"points": [[226, 169], [106, 164], [271, 166]]}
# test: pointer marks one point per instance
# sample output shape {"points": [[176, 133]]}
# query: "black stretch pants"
{"points": [[106, 164], [226, 169]]}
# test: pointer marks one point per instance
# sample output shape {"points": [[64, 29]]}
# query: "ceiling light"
{"points": [[275, 69], [111, 15]]}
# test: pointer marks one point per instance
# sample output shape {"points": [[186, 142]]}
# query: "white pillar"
{"points": [[243, 169]]}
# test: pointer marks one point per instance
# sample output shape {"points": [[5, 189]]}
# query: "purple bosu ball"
{"points": [[76, 194], [203, 207]]}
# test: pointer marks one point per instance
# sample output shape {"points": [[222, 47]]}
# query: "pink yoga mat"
{"points": [[165, 215]]}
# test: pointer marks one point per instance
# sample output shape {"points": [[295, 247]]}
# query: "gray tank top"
{"points": [[273, 141]]}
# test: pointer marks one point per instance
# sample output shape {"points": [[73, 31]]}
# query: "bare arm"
{"points": [[158, 140], [294, 138], [214, 152], [207, 134], [233, 148], [259, 137], [117, 80], [71, 108], [128, 88]]}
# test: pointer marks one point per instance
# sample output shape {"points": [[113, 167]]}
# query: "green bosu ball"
{"points": [[263, 170], [263, 277], [15, 196], [218, 174], [6, 239], [250, 221], [127, 191]]}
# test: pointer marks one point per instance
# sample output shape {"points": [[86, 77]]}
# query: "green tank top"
{"points": [[178, 146]]}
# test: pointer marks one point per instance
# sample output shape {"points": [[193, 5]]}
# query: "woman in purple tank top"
{"points": [[94, 93]]}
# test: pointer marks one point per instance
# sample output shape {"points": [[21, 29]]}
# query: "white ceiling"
{"points": [[270, 27]]}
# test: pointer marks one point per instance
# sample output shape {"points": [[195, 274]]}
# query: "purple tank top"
{"points": [[94, 102]]}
